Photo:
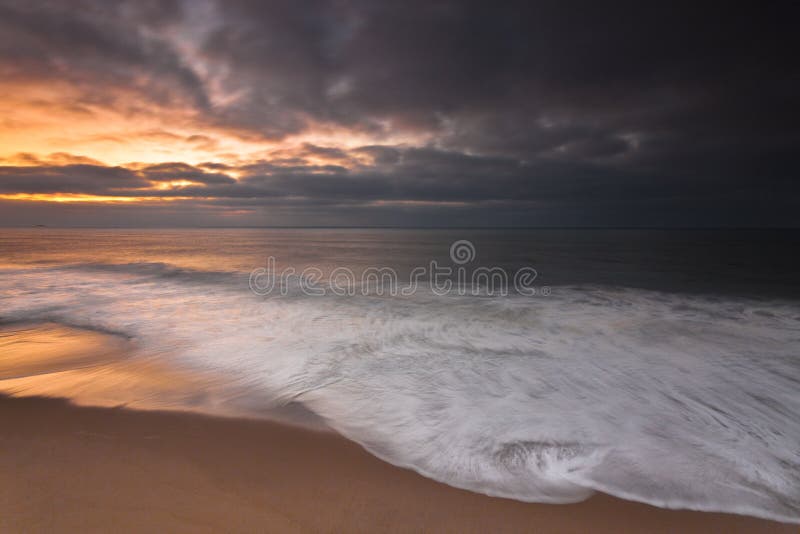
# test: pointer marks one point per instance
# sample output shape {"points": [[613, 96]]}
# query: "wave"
{"points": [[676, 400], [143, 269]]}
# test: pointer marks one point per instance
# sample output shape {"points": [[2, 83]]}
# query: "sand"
{"points": [[76, 469]]}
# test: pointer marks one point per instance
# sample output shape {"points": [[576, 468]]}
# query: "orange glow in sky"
{"points": [[77, 197]]}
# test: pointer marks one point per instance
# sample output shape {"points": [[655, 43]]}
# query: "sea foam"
{"points": [[676, 400]]}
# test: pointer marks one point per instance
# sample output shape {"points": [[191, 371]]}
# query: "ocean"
{"points": [[660, 366]]}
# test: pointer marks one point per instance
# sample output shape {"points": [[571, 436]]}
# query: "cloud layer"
{"points": [[444, 113]]}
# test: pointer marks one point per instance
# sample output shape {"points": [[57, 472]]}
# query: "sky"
{"points": [[407, 113]]}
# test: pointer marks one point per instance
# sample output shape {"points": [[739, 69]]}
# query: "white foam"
{"points": [[675, 400]]}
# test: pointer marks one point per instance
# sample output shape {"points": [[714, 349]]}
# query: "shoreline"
{"points": [[68, 468]]}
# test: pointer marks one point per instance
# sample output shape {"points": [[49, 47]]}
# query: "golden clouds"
{"points": [[77, 197]]}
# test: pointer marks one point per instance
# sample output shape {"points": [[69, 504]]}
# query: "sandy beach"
{"points": [[68, 469], [366, 266]]}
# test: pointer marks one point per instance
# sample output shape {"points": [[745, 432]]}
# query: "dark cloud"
{"points": [[589, 112], [165, 172], [98, 179], [592, 192], [426, 64], [98, 46], [78, 178]]}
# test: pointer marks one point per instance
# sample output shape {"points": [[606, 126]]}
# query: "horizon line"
{"points": [[395, 227]]}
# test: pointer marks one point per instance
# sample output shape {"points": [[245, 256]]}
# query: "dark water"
{"points": [[738, 262]]}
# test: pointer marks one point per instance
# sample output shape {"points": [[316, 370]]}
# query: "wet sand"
{"points": [[68, 469]]}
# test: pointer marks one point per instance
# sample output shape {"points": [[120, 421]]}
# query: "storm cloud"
{"points": [[559, 113]]}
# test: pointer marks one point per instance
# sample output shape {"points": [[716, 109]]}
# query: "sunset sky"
{"points": [[148, 113]]}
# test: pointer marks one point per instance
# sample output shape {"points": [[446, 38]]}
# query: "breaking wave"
{"points": [[676, 400]]}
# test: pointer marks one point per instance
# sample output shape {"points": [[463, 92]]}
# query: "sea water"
{"points": [[658, 366]]}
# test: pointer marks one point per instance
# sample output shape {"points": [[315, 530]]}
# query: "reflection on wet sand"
{"points": [[33, 349], [88, 367], [93, 368]]}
